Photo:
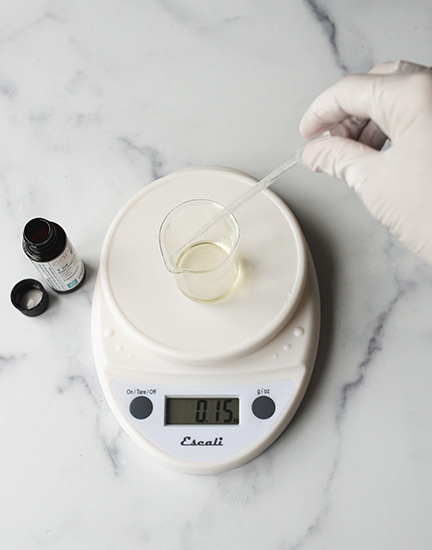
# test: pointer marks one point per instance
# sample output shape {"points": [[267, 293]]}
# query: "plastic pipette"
{"points": [[262, 184]]}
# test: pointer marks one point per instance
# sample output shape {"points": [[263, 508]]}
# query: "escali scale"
{"points": [[205, 388]]}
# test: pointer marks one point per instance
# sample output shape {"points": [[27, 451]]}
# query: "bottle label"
{"points": [[64, 272]]}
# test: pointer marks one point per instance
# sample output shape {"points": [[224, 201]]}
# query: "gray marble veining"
{"points": [[99, 99]]}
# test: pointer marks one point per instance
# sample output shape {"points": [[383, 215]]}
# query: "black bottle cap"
{"points": [[30, 297]]}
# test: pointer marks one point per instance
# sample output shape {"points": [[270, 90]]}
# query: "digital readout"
{"points": [[202, 410]]}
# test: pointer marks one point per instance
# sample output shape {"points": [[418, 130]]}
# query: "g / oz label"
{"points": [[64, 272]]}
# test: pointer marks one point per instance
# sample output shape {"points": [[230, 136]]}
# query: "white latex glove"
{"points": [[393, 101]]}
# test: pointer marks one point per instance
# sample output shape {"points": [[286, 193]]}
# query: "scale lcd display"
{"points": [[202, 411]]}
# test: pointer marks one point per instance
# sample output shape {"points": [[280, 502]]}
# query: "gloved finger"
{"points": [[390, 67], [361, 96], [387, 67], [347, 98], [355, 96], [343, 158], [373, 136], [353, 127]]}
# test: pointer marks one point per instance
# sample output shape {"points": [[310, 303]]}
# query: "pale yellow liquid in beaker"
{"points": [[202, 256], [211, 278]]}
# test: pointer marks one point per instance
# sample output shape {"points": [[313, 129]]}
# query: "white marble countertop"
{"points": [[98, 99]]}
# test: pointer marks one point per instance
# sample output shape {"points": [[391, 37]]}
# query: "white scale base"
{"points": [[258, 345]]}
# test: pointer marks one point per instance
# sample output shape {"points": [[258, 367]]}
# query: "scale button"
{"points": [[263, 407], [141, 407]]}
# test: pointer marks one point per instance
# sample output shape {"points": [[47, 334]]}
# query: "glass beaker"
{"points": [[207, 269]]}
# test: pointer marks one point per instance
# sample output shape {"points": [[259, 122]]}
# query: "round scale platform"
{"points": [[143, 294], [205, 387]]}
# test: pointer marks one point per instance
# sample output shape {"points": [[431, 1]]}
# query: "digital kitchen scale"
{"points": [[205, 388]]}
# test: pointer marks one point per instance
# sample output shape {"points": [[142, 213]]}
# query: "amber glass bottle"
{"points": [[49, 249]]}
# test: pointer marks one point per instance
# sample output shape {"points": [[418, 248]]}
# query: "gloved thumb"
{"points": [[342, 158]]}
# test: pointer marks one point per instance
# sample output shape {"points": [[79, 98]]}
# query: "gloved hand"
{"points": [[393, 101]]}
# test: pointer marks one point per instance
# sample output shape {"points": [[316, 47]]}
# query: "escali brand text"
{"points": [[188, 441]]}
